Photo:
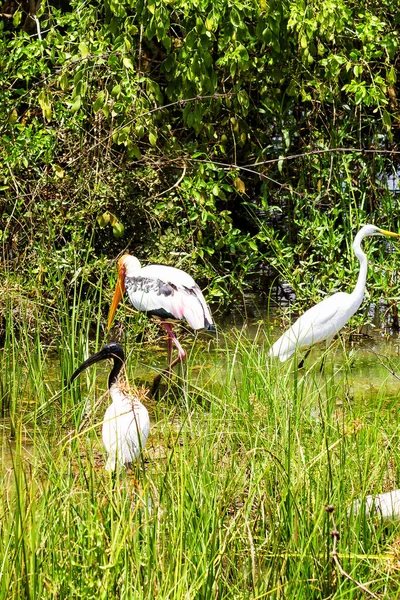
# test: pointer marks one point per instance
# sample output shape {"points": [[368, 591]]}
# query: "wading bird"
{"points": [[386, 506], [126, 423], [163, 292], [325, 319]]}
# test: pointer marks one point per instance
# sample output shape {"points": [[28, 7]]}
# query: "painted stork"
{"points": [[325, 319], [166, 293], [126, 423]]}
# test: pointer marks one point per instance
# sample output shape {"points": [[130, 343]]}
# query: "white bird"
{"points": [[386, 506], [163, 292], [126, 423], [325, 319]]}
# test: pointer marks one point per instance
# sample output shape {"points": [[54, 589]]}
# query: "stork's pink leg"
{"points": [[169, 350], [174, 340]]}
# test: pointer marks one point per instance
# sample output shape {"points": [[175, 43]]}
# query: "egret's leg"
{"points": [[301, 363], [327, 344]]}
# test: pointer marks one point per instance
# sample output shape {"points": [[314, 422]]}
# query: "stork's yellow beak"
{"points": [[389, 233], [119, 292]]}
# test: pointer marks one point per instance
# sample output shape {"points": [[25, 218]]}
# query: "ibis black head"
{"points": [[113, 351]]}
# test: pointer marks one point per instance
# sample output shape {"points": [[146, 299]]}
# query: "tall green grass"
{"points": [[229, 498]]}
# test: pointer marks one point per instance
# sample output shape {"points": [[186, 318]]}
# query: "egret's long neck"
{"points": [[358, 292]]}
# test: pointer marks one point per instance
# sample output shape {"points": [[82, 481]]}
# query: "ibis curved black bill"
{"points": [[113, 351]]}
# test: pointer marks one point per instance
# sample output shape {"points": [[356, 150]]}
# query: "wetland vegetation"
{"points": [[228, 499], [245, 142]]}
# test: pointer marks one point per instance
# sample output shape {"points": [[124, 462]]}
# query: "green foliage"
{"points": [[178, 121]]}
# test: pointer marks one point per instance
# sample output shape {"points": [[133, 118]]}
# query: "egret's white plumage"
{"points": [[325, 319], [385, 506], [126, 423]]}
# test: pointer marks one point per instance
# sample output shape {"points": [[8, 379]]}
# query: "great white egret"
{"points": [[166, 293], [386, 506], [325, 319], [126, 423]]}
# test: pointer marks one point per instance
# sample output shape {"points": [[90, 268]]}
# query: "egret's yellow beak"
{"points": [[390, 233], [119, 292]]}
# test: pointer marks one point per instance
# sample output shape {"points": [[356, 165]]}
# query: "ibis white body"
{"points": [[125, 430], [126, 423]]}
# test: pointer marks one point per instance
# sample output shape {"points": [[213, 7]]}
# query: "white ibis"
{"points": [[166, 293], [325, 319], [126, 423]]}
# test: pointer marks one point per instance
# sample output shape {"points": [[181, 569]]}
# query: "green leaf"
{"points": [[191, 40], [118, 230], [116, 91], [253, 245], [234, 17], [17, 17], [76, 105], [44, 100], [387, 120], [13, 117], [99, 102], [211, 23], [64, 82], [133, 150], [103, 220], [127, 63], [59, 172], [286, 137], [139, 129], [239, 185], [243, 99], [391, 75], [83, 49], [152, 138]]}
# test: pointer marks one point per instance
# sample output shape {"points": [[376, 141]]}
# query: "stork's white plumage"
{"points": [[325, 319], [166, 293], [126, 423]]}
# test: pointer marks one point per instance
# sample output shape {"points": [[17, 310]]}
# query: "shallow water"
{"points": [[369, 362]]}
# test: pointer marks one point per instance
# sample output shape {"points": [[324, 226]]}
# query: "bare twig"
{"points": [[325, 151], [336, 537], [176, 184], [39, 33], [387, 365], [180, 102]]}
